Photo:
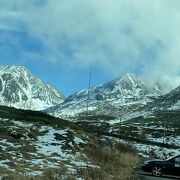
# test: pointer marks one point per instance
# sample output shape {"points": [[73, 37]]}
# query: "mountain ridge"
{"points": [[126, 90], [20, 89], [169, 101]]}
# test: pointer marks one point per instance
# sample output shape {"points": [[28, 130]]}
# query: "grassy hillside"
{"points": [[32, 116], [34, 145]]}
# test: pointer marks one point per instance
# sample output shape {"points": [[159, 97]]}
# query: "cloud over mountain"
{"points": [[117, 36]]}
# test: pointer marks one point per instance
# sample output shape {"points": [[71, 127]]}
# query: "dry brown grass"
{"points": [[115, 164]]}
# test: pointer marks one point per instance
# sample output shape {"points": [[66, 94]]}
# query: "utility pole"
{"points": [[120, 122], [165, 126], [164, 134], [88, 95], [120, 117], [173, 123], [120, 125]]}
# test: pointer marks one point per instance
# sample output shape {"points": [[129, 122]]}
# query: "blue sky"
{"points": [[59, 40], [68, 80]]}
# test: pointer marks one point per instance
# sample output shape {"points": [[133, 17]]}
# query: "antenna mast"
{"points": [[88, 95]]}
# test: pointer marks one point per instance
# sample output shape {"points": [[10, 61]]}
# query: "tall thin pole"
{"points": [[164, 134], [165, 126], [88, 95]]}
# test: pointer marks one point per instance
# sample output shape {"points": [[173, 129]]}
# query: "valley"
{"points": [[83, 136]]}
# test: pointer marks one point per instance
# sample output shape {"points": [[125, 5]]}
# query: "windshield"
{"points": [[171, 157]]}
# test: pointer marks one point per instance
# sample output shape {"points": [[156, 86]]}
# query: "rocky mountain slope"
{"points": [[19, 88], [31, 142], [126, 92], [163, 107], [129, 111], [128, 87], [34, 145], [170, 101]]}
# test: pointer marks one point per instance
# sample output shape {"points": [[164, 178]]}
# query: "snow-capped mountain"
{"points": [[169, 101], [124, 88], [125, 91], [20, 89]]}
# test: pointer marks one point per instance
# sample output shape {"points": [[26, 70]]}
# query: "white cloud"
{"points": [[116, 35]]}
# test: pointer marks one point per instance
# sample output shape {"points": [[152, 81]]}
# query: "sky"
{"points": [[58, 40]]}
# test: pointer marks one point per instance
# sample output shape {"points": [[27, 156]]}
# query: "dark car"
{"points": [[158, 167]]}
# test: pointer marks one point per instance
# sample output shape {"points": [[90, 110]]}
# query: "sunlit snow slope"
{"points": [[128, 90], [20, 89]]}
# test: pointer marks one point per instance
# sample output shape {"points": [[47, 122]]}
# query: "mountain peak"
{"points": [[20, 89], [128, 76], [13, 66], [127, 90]]}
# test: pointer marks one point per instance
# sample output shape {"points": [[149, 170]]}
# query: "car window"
{"points": [[177, 162], [171, 158]]}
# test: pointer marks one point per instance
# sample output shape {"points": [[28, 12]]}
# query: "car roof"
{"points": [[171, 157]]}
